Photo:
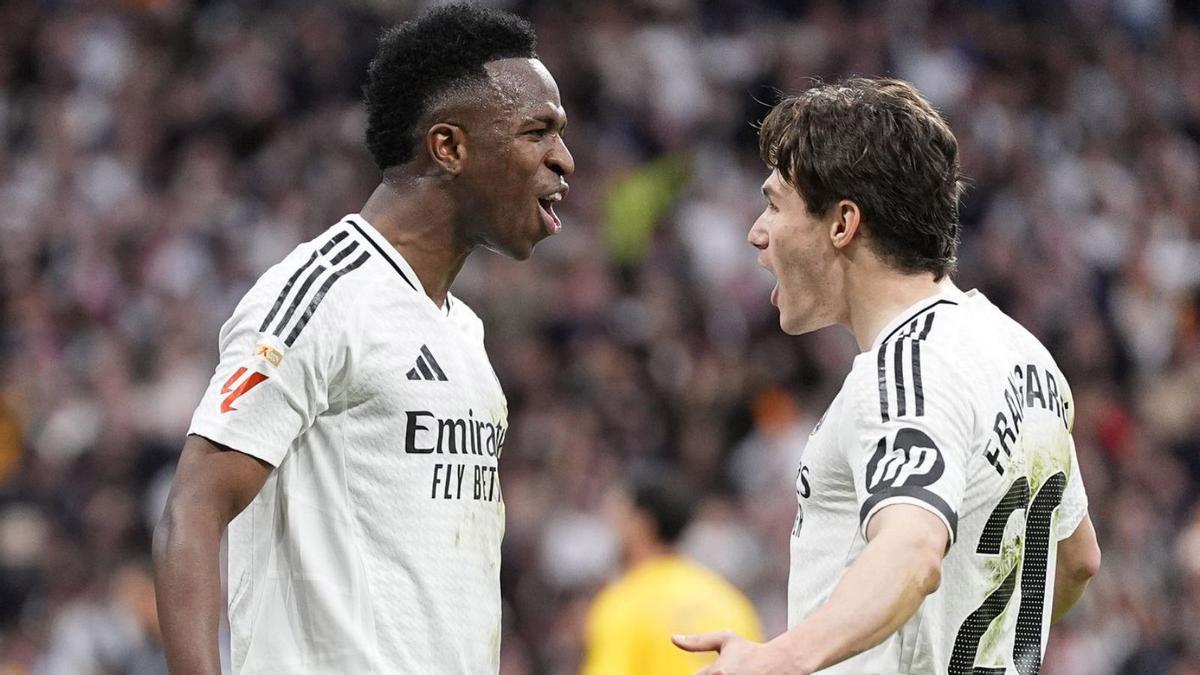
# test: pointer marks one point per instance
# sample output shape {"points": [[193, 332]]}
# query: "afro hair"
{"points": [[422, 59]]}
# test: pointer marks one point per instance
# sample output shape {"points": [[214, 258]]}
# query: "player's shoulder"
{"points": [[928, 341], [982, 342], [315, 288], [1010, 344]]}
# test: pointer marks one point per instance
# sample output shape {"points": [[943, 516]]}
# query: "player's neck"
{"points": [[875, 298], [413, 219]]}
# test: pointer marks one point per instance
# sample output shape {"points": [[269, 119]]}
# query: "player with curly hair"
{"points": [[350, 436]]}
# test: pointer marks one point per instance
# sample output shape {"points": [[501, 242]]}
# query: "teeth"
{"points": [[556, 197]]}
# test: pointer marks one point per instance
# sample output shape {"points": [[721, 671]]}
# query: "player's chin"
{"points": [[790, 327], [522, 248], [522, 239], [794, 323], [521, 253], [800, 324]]}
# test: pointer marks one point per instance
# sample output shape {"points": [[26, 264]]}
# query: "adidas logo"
{"points": [[427, 368]]}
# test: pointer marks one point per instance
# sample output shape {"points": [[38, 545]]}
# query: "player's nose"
{"points": [[758, 235], [559, 158]]}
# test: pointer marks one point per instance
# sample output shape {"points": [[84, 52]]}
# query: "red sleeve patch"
{"points": [[246, 385]]}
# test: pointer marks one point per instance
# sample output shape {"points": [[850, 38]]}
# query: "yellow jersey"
{"points": [[630, 624]]}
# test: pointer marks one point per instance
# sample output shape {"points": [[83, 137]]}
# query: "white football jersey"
{"points": [[374, 546], [956, 409]]}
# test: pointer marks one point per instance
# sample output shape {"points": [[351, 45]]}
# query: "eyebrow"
{"points": [[549, 120], [768, 191]]}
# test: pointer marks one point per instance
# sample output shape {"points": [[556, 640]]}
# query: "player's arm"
{"points": [[899, 566], [1078, 551], [1078, 562], [910, 475], [282, 357], [212, 485]]}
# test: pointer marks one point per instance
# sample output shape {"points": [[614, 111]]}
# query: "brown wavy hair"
{"points": [[881, 145]]}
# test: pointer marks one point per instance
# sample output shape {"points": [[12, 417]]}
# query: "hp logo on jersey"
{"points": [[913, 460]]}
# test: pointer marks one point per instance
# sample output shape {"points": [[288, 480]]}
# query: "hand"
{"points": [[738, 656]]}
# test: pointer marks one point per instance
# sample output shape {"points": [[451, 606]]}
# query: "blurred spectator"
{"points": [[660, 593], [118, 634], [157, 155]]}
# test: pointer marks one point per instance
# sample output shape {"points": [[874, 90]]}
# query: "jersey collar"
{"points": [[398, 262], [388, 251], [950, 296]]}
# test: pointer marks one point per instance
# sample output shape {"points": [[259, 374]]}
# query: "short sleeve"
{"points": [[266, 392], [909, 438], [1074, 501]]}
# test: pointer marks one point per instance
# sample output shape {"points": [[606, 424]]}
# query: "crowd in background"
{"points": [[157, 155]]}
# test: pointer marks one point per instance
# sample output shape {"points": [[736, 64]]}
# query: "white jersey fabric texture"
{"points": [[374, 546], [959, 410]]}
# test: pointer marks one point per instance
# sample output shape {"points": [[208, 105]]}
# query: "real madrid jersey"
{"points": [[374, 546], [958, 410]]}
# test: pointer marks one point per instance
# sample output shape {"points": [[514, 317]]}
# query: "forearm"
{"points": [[878, 594], [188, 581]]}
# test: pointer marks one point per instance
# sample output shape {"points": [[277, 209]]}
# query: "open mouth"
{"points": [[549, 218]]}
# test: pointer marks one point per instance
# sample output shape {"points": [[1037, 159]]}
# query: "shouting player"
{"points": [[942, 521], [352, 429]]}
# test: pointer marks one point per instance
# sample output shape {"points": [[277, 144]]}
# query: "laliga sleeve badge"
{"points": [[266, 351]]}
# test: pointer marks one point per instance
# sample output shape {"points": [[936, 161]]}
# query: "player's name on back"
{"points": [[1025, 390]]}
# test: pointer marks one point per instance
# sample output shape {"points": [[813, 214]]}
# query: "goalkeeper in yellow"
{"points": [[661, 593]]}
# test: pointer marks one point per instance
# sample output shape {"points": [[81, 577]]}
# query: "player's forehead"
{"points": [[770, 186], [526, 87], [775, 187]]}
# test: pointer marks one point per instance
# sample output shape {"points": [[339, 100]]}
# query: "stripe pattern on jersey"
{"points": [[316, 276], [427, 368], [904, 354]]}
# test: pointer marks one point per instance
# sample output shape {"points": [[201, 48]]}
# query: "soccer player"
{"points": [[942, 522], [661, 592], [353, 427]]}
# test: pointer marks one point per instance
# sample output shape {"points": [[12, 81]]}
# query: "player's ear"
{"points": [[446, 145], [845, 220]]}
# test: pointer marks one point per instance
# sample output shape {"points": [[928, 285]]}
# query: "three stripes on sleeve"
{"points": [[905, 351], [322, 270]]}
